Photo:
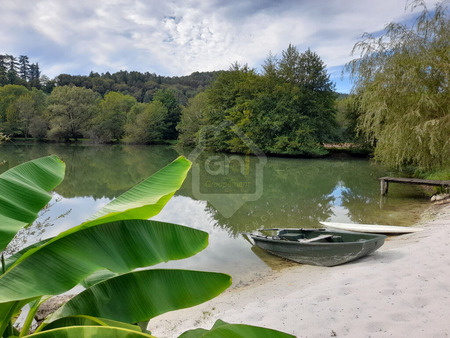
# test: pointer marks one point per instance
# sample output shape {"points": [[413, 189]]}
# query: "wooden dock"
{"points": [[385, 182]]}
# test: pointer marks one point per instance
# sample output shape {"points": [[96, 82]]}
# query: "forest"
{"points": [[288, 109], [98, 107]]}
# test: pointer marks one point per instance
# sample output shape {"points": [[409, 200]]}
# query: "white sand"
{"points": [[401, 290]]}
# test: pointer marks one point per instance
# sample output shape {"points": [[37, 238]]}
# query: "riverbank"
{"points": [[402, 289]]}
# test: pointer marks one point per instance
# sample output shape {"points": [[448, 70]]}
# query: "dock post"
{"points": [[384, 187]]}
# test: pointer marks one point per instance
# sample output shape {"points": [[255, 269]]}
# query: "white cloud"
{"points": [[176, 38]]}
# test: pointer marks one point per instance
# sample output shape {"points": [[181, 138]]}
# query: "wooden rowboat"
{"points": [[318, 246], [372, 228]]}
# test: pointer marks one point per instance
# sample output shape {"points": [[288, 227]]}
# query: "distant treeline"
{"points": [[142, 86], [70, 113], [288, 108]]}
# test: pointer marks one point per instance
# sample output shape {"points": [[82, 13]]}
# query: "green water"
{"points": [[224, 195]]}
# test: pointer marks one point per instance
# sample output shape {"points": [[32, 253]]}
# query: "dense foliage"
{"points": [[142, 86], [102, 107], [402, 90], [71, 112], [288, 109]]}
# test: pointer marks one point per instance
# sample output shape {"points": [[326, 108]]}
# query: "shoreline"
{"points": [[402, 289]]}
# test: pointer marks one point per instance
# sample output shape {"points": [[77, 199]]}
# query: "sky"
{"points": [[175, 38]]}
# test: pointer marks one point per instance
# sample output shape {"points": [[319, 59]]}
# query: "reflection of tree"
{"points": [[97, 171], [359, 206], [296, 193], [361, 194]]}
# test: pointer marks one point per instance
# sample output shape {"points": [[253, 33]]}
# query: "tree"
{"points": [[289, 109], [69, 110], [108, 124], [168, 99], [270, 66], [34, 76], [9, 117], [192, 119], [12, 63], [147, 123], [25, 112], [24, 67], [318, 96], [3, 70], [312, 73], [401, 79], [101, 85], [38, 126], [22, 109], [289, 64], [46, 84]]}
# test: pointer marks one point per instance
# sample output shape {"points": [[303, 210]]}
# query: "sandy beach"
{"points": [[401, 290]]}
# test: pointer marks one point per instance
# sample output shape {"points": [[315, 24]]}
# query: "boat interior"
{"points": [[303, 238]]}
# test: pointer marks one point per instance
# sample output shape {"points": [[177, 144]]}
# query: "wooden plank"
{"points": [[318, 238], [384, 187]]}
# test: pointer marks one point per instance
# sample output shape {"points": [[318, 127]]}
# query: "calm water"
{"points": [[223, 195]]}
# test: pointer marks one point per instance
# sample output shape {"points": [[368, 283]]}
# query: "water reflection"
{"points": [[295, 193], [94, 171]]}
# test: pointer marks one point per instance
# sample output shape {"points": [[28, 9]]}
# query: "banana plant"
{"points": [[102, 254]]}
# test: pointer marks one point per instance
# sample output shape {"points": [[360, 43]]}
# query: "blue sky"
{"points": [[175, 38]]}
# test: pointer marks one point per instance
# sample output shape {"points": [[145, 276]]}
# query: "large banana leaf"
{"points": [[9, 261], [82, 320], [225, 330], [141, 295], [97, 277], [24, 192], [8, 310], [143, 201], [90, 331], [119, 246], [146, 199]]}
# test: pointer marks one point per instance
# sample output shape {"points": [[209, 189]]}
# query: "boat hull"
{"points": [[323, 252]]}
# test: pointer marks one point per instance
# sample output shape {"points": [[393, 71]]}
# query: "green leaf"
{"points": [[142, 295], [225, 330], [8, 310], [147, 198], [118, 246], [13, 258], [90, 331], [24, 191], [96, 277], [82, 320]]}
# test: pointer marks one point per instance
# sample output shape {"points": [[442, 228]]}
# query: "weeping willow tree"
{"points": [[402, 83]]}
